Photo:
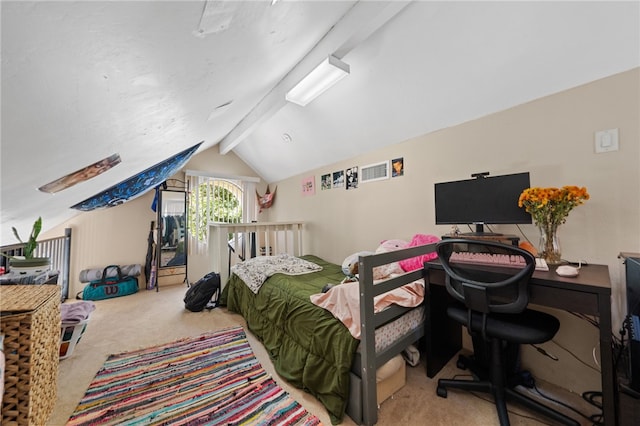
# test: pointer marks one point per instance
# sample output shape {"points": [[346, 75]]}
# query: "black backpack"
{"points": [[201, 294]]}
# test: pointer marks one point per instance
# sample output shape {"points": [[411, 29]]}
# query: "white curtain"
{"points": [[196, 246], [249, 202]]}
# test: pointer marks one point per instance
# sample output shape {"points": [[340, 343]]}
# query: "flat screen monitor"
{"points": [[482, 200], [632, 271]]}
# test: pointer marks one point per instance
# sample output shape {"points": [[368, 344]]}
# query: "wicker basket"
{"points": [[30, 323]]}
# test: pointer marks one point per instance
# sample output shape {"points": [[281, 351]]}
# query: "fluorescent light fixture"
{"points": [[325, 75]]}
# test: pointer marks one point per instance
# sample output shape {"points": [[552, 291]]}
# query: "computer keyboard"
{"points": [[513, 261]]}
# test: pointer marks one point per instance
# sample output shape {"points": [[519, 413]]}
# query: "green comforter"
{"points": [[308, 346]]}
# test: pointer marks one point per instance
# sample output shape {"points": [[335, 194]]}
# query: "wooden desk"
{"points": [[588, 293]]}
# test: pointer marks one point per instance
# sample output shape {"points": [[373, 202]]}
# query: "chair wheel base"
{"points": [[442, 392]]}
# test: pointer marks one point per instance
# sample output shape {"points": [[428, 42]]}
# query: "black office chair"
{"points": [[493, 305]]}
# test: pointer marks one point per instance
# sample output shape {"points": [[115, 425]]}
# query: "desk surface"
{"points": [[594, 277], [583, 293]]}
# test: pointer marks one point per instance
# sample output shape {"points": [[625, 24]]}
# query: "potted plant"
{"points": [[28, 262]]}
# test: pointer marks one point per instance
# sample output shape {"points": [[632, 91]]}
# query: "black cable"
{"points": [[597, 419], [457, 376], [525, 237], [579, 263], [590, 320], [479, 396], [545, 353], [590, 396], [574, 355], [547, 397], [622, 349]]}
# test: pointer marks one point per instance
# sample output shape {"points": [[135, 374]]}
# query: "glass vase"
{"points": [[549, 248]]}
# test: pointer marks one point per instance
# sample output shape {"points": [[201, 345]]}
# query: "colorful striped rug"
{"points": [[213, 379]]}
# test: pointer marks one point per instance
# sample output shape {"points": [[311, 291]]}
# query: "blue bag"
{"points": [[108, 287]]}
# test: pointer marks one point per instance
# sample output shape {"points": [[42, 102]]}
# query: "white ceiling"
{"points": [[85, 80]]}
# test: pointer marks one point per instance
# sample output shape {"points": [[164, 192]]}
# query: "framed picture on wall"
{"points": [[338, 179], [352, 177], [397, 167], [308, 186], [325, 182]]}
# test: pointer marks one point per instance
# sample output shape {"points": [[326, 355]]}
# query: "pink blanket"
{"points": [[343, 301]]}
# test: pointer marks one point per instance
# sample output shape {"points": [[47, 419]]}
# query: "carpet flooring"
{"points": [[210, 379], [151, 318]]}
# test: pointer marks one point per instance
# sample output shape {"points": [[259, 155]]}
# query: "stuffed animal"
{"points": [[350, 263], [385, 271], [265, 201], [353, 268], [391, 245]]}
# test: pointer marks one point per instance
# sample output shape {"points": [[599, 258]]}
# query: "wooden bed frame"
{"points": [[370, 361], [370, 321], [280, 237]]}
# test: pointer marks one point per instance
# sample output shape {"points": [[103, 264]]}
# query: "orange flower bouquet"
{"points": [[549, 208]]}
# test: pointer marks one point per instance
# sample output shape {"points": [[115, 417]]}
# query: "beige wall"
{"points": [[113, 236], [118, 235], [553, 139]]}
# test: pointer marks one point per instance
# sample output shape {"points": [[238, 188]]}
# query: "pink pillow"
{"points": [[417, 262], [385, 271]]}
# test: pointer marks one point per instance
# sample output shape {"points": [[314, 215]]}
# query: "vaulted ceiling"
{"points": [[84, 80]]}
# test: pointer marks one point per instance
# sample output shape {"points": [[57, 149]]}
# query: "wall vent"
{"points": [[373, 172]]}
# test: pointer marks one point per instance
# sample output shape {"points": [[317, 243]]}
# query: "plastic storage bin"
{"points": [[70, 334]]}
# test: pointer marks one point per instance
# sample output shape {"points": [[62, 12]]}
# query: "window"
{"points": [[217, 200]]}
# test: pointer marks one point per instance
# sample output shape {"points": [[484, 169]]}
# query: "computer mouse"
{"points": [[567, 271]]}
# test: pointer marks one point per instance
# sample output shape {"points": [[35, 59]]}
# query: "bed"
{"points": [[315, 351]]}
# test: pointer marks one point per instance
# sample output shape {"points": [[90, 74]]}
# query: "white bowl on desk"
{"points": [[567, 271]]}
